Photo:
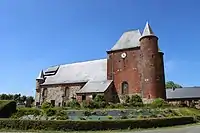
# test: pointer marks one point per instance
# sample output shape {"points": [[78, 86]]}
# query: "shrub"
{"points": [[157, 103], [124, 117], [92, 104], [87, 113], [73, 104], [92, 125], [140, 116], [136, 101], [62, 117], [99, 98], [84, 104], [50, 112], [104, 113], [100, 104], [119, 105], [89, 104], [127, 99], [46, 105], [82, 118], [61, 113], [99, 101], [26, 111], [7, 108], [111, 105], [110, 117]]}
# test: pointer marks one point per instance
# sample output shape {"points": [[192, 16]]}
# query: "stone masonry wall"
{"points": [[56, 92]]}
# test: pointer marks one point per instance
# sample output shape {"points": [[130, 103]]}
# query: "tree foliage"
{"points": [[171, 84], [18, 98]]}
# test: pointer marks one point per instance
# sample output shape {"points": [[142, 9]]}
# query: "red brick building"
{"points": [[133, 66]]}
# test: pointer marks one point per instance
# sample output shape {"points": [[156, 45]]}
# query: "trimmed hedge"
{"points": [[7, 108], [93, 125]]}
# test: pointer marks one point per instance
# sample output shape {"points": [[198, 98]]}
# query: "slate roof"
{"points": [[147, 30], [40, 76], [95, 70], [183, 93], [95, 86], [129, 39]]}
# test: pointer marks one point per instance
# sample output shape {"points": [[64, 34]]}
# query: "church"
{"points": [[134, 65]]}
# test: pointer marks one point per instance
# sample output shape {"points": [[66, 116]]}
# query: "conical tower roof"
{"points": [[41, 75], [147, 31]]}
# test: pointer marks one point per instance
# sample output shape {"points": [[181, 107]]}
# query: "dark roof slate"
{"points": [[183, 93]]}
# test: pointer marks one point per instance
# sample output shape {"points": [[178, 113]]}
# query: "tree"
{"points": [[23, 99], [17, 97], [4, 97], [29, 101], [171, 84]]}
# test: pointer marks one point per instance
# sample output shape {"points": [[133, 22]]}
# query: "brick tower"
{"points": [[122, 64], [153, 79]]}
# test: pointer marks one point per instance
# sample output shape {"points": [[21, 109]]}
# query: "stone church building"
{"points": [[134, 65]]}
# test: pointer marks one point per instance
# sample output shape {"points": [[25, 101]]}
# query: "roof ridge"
{"points": [[62, 64], [131, 30], [128, 39]]}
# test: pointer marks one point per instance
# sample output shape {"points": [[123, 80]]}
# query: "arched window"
{"points": [[124, 88], [44, 92], [66, 92]]}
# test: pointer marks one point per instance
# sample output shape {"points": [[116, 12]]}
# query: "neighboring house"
{"points": [[183, 94], [134, 65], [186, 95]]}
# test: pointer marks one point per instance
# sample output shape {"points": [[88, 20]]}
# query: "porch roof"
{"points": [[95, 87]]}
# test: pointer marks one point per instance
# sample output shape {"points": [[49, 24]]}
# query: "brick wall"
{"points": [[143, 69], [125, 69], [153, 69]]}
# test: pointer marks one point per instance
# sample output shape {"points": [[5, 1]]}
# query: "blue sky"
{"points": [[35, 34]]}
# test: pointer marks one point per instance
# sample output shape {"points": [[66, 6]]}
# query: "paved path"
{"points": [[182, 129]]}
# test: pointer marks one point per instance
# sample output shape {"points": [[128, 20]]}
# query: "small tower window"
{"points": [[124, 88]]}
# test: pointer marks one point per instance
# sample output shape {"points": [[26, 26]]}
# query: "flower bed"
{"points": [[107, 114]]}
